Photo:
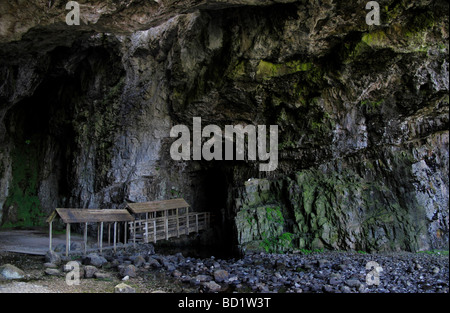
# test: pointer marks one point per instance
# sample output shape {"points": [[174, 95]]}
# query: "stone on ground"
{"points": [[124, 288], [9, 271]]}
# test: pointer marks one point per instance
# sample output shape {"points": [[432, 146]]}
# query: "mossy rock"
{"points": [[267, 70]]}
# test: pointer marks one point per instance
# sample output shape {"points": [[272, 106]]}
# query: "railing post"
{"points": [[109, 234], [134, 233], [125, 233], [187, 221], [146, 227], [178, 225], [196, 222], [101, 237], [85, 237], [50, 236], [166, 224], [115, 231], [154, 230], [67, 239]]}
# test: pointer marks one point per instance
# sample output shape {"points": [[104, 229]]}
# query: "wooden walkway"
{"points": [[158, 220], [85, 216], [144, 221]]}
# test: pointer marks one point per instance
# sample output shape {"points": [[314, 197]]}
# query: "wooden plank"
{"points": [[156, 206], [93, 216], [52, 216]]}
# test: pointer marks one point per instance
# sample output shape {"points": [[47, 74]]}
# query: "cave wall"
{"points": [[362, 114]]}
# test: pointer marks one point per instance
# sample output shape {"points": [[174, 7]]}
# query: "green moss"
{"points": [[409, 37], [273, 237], [288, 144], [267, 70], [371, 107], [393, 12], [435, 252], [238, 70], [277, 244], [321, 123], [23, 204], [375, 38]]}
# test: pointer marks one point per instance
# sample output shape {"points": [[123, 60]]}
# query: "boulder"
{"points": [[221, 275], [101, 275], [203, 278], [50, 265], [9, 271], [52, 257], [52, 272], [94, 259], [211, 286], [139, 261], [154, 263], [89, 271], [127, 270], [355, 283], [124, 288]]}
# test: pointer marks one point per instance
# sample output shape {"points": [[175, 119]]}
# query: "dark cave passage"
{"points": [[43, 131], [39, 167], [215, 192]]}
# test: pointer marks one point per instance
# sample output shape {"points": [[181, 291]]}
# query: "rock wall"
{"points": [[86, 112]]}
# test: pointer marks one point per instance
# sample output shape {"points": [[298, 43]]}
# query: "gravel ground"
{"points": [[328, 272]]}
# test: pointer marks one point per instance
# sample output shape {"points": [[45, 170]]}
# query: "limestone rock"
{"points": [[9, 271], [211, 286], [124, 288], [127, 270], [90, 271], [53, 272], [95, 260], [53, 257], [221, 275], [362, 114]]}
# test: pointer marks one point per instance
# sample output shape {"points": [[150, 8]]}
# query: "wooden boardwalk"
{"points": [[85, 216], [159, 220], [144, 221]]}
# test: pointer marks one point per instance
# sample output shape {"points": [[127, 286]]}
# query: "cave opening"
{"points": [[213, 187], [43, 132], [41, 140]]}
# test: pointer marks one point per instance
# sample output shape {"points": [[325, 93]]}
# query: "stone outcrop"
{"points": [[86, 112]]}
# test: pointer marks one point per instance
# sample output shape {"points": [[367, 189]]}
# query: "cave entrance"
{"points": [[47, 132], [216, 190], [36, 158]]}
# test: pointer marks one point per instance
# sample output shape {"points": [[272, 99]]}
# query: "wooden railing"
{"points": [[151, 227]]}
